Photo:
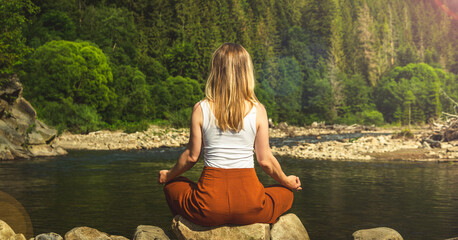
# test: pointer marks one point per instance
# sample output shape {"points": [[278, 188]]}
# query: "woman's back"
{"points": [[228, 124], [228, 149]]}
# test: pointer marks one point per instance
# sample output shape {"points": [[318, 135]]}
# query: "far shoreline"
{"points": [[382, 147]]}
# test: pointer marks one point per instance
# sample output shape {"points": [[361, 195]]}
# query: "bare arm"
{"points": [[190, 156], [264, 155]]}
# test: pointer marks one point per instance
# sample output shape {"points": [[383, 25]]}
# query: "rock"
{"points": [[433, 143], [145, 232], [380, 233], [24, 110], [45, 151], [5, 231], [46, 132], [48, 236], [83, 233], [5, 153], [185, 229], [11, 133], [382, 140], [19, 127], [271, 124], [282, 125], [115, 237], [425, 145], [451, 134], [4, 107], [289, 226], [18, 236], [35, 138], [87, 233], [12, 88]]}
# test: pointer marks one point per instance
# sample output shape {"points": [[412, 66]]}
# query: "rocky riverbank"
{"points": [[154, 137], [383, 147], [372, 148], [289, 226], [421, 144]]}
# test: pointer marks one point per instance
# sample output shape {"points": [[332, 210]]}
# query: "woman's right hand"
{"points": [[293, 183], [162, 176]]}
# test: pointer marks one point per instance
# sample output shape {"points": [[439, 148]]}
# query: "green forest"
{"points": [[117, 64]]}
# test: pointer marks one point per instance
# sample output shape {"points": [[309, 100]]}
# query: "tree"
{"points": [[318, 97], [367, 61], [284, 79], [174, 99], [181, 59], [63, 69], [52, 25], [12, 43], [413, 91], [357, 97], [113, 30], [134, 102]]}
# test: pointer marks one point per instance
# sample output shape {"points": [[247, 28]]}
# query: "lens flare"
{"points": [[446, 9], [14, 214]]}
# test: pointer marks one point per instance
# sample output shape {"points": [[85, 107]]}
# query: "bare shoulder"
{"points": [[261, 110], [196, 106], [261, 116], [197, 115]]}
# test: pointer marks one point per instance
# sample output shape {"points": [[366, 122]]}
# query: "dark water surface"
{"points": [[115, 191], [295, 140]]}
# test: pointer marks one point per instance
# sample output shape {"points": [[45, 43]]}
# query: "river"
{"points": [[115, 191]]}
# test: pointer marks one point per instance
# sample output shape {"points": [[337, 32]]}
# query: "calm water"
{"points": [[116, 191]]}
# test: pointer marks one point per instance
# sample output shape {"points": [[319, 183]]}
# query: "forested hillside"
{"points": [[87, 65]]}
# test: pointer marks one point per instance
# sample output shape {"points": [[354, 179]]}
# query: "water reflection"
{"points": [[116, 191]]}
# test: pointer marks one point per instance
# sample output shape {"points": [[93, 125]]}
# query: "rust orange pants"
{"points": [[227, 196]]}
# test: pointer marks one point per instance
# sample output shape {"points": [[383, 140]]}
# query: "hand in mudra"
{"points": [[162, 176], [293, 183]]}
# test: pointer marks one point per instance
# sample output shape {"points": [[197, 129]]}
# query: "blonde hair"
{"points": [[230, 85]]}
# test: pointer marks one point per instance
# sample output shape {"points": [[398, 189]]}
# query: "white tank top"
{"points": [[228, 149]]}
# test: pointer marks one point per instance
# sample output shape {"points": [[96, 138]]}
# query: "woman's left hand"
{"points": [[162, 176], [293, 183]]}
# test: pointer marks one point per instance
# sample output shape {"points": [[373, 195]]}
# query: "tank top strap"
{"points": [[252, 118], [206, 114]]}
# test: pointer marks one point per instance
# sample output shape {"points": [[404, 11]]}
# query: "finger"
{"points": [[298, 181]]}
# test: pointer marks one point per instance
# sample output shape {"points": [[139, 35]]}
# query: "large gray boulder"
{"points": [[145, 232], [380, 233], [10, 132], [289, 226], [87, 233], [19, 127], [185, 229], [48, 236], [9, 151]]}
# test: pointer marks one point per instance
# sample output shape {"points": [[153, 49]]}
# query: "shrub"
{"points": [[180, 118], [131, 127], [78, 118], [372, 117], [405, 133], [74, 70]]}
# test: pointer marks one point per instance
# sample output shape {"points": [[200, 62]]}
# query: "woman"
{"points": [[228, 124]]}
